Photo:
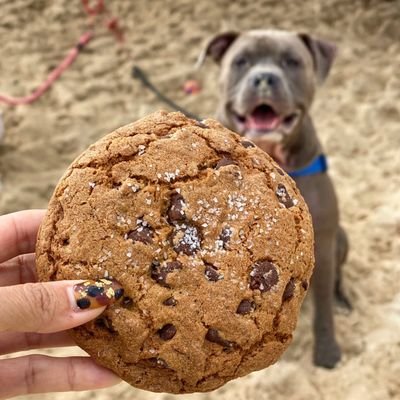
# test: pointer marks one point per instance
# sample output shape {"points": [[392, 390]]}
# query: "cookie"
{"points": [[210, 240]]}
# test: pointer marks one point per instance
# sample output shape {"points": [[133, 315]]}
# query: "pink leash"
{"points": [[55, 74], [112, 25]]}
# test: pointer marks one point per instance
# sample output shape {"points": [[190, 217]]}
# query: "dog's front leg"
{"points": [[326, 350]]}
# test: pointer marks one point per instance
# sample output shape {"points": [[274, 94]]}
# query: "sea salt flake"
{"points": [[169, 176], [92, 185], [219, 244]]}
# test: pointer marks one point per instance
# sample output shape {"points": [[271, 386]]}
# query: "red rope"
{"points": [[112, 25], [56, 73]]}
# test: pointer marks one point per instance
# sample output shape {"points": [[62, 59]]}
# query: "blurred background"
{"points": [[357, 115]]}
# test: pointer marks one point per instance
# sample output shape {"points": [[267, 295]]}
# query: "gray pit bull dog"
{"points": [[267, 84]]}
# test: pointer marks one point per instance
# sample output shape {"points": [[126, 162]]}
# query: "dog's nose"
{"points": [[265, 78]]}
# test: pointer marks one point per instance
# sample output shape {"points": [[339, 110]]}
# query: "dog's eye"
{"points": [[290, 61], [240, 62]]}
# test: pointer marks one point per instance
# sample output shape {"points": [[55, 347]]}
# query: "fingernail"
{"points": [[95, 294]]}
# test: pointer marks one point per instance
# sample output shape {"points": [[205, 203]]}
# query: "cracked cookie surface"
{"points": [[212, 244]]}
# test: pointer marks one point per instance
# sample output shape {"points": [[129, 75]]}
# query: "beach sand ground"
{"points": [[356, 113]]}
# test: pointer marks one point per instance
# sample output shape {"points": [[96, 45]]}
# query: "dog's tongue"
{"points": [[263, 118]]}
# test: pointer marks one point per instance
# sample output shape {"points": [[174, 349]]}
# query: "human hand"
{"points": [[36, 315]]}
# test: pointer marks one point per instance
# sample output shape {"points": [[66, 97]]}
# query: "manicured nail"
{"points": [[95, 294]]}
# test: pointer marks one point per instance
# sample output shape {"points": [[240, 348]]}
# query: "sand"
{"points": [[356, 112]]}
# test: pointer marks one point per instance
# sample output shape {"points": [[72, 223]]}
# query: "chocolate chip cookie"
{"points": [[210, 240]]}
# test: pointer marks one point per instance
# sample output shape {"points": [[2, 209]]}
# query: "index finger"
{"points": [[18, 233]]}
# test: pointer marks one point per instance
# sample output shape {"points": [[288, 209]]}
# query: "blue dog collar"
{"points": [[318, 165]]}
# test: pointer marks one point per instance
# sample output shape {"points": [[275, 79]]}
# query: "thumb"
{"points": [[55, 306]]}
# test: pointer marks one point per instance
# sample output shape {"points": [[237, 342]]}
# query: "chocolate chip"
{"points": [[214, 337], [280, 172], [289, 290], [247, 144], [224, 162], [99, 322], [175, 213], [142, 234], [105, 323], [126, 302], [167, 332], [83, 303], [245, 307], [65, 242], [225, 236], [157, 362], [170, 302], [304, 285], [173, 265], [94, 291], [159, 272], [186, 239], [283, 196], [263, 276], [212, 274], [202, 125]]}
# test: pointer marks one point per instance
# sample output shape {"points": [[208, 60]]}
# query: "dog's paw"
{"points": [[327, 355]]}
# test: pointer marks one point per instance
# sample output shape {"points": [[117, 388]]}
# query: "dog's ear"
{"points": [[217, 47], [323, 53]]}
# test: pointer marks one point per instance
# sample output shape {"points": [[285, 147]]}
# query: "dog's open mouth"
{"points": [[264, 119]]}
